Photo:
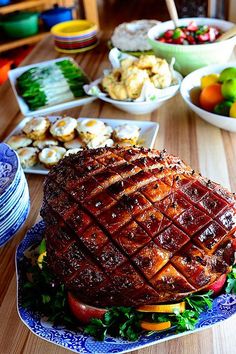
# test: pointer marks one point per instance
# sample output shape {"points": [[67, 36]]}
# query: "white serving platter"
{"points": [[147, 137], [15, 73]]}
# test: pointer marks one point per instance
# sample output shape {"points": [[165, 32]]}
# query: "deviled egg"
{"points": [[28, 156], [126, 133], [89, 129], [72, 151], [64, 129], [74, 144], [51, 155], [47, 142], [18, 141], [36, 128]]}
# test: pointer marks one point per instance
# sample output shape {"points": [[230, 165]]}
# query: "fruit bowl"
{"points": [[192, 57], [191, 84]]}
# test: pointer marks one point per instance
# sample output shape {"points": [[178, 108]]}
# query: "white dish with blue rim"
{"points": [[14, 194], [16, 212], [11, 231], [9, 170], [224, 306], [14, 198]]}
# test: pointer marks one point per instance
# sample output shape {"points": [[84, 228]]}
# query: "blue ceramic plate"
{"points": [[224, 306], [8, 234], [9, 166]]}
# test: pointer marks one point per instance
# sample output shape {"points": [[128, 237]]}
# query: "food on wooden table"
{"points": [[126, 134], [43, 143], [18, 141], [64, 129], [132, 36], [218, 92], [72, 151], [134, 226], [89, 129], [100, 141], [191, 34], [28, 156], [211, 96], [148, 326], [51, 156], [51, 84], [67, 133], [127, 82], [74, 144], [36, 128]]}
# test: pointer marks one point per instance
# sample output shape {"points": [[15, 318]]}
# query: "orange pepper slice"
{"points": [[153, 326], [167, 308]]}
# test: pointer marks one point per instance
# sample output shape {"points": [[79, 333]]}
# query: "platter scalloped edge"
{"points": [[224, 307]]}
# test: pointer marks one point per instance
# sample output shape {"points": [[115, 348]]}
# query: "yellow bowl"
{"points": [[74, 51], [73, 28]]}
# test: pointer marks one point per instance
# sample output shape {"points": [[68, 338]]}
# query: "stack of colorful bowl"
{"points": [[14, 194], [75, 36]]}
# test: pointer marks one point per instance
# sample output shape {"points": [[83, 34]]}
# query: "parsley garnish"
{"points": [[43, 293], [231, 281], [199, 303], [118, 322]]}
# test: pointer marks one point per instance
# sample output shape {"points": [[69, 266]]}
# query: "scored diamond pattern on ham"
{"points": [[131, 226]]}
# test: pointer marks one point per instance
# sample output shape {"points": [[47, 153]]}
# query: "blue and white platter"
{"points": [[9, 170], [224, 307], [14, 194]]}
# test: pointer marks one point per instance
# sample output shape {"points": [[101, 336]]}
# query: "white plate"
{"points": [[148, 133], [15, 73]]}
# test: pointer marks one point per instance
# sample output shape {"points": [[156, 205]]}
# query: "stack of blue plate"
{"points": [[14, 194]]}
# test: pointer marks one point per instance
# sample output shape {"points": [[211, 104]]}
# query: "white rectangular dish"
{"points": [[147, 137], [15, 73]]}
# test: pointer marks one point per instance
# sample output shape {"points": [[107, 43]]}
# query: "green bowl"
{"points": [[20, 24], [191, 57]]}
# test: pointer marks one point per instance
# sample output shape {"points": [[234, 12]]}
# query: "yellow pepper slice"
{"points": [[166, 308], [152, 326], [40, 259]]}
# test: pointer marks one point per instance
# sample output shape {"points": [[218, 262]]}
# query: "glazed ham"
{"points": [[131, 226]]}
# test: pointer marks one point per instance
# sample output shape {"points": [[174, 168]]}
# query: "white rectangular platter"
{"points": [[15, 73], [147, 137]]}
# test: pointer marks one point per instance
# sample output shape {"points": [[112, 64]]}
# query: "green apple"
{"points": [[228, 73], [228, 89]]}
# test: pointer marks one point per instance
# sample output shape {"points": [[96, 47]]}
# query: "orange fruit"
{"points": [[165, 308], [152, 326], [210, 96]]}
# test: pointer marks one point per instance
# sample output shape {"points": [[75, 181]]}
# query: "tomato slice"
{"points": [[153, 326], [83, 312], [166, 308]]}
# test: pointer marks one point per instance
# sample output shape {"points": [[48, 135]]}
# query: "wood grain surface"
{"points": [[206, 148]]}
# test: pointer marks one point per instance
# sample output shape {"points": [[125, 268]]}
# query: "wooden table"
{"points": [[205, 147]]}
